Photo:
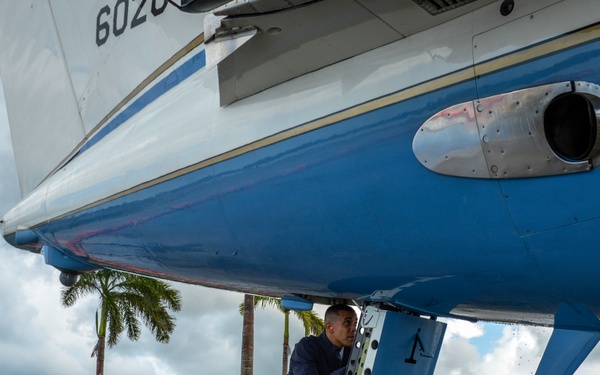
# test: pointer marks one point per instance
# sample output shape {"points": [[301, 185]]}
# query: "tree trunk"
{"points": [[100, 355], [101, 332], [248, 336], [286, 342]]}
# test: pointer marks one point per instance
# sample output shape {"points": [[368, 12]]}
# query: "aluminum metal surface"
{"points": [[448, 143], [221, 43], [511, 128], [501, 136], [592, 93]]}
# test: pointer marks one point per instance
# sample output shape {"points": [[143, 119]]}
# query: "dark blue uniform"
{"points": [[316, 355]]}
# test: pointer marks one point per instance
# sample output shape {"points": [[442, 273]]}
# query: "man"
{"points": [[328, 353]]}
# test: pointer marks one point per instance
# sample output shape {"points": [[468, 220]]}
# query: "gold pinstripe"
{"points": [[463, 75], [139, 88]]}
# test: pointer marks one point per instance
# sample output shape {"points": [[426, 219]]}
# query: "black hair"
{"points": [[334, 311]]}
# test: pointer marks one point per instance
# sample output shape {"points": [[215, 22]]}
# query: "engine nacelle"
{"points": [[540, 131]]}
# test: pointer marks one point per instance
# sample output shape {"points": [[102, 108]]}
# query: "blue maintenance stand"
{"points": [[397, 342]]}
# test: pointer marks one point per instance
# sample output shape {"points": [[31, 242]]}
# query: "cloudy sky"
{"points": [[39, 336]]}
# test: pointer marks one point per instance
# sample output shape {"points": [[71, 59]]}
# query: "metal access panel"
{"points": [[394, 342]]}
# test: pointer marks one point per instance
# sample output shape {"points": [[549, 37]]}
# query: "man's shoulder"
{"points": [[309, 341], [309, 344]]}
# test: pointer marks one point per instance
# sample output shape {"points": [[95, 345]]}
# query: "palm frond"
{"points": [[126, 300], [311, 321], [264, 302], [131, 322], [84, 286], [267, 301], [115, 325], [95, 350]]}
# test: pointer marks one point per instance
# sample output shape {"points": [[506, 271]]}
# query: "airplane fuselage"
{"points": [[312, 187]]}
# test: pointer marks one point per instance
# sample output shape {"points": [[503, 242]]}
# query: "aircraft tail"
{"points": [[43, 113], [94, 57]]}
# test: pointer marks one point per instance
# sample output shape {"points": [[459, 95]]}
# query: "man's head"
{"points": [[340, 325]]}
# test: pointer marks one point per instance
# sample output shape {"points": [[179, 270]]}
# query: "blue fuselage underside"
{"points": [[346, 210]]}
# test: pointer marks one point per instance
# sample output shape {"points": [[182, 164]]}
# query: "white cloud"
{"points": [[464, 329], [458, 357], [517, 352], [207, 338]]}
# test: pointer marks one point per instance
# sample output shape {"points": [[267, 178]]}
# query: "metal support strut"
{"points": [[391, 341]]}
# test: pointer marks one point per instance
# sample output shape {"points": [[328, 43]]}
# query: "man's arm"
{"points": [[303, 361], [341, 371]]}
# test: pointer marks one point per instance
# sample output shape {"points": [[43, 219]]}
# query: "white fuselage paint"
{"points": [[185, 125]]}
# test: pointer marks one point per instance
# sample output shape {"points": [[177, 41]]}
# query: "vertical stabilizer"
{"points": [[68, 66], [42, 110]]}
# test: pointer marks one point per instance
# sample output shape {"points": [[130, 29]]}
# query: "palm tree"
{"points": [[310, 319], [247, 367], [124, 300]]}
